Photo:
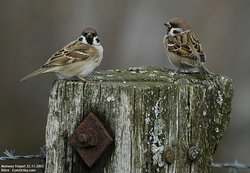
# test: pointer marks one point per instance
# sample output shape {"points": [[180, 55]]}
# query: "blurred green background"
{"points": [[131, 33]]}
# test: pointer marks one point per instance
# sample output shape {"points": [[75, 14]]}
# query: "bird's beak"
{"points": [[167, 25], [89, 35]]}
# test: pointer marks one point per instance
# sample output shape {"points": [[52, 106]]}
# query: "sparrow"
{"points": [[183, 48], [77, 59]]}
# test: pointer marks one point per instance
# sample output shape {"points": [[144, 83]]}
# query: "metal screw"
{"points": [[193, 153], [87, 137], [170, 156], [83, 138]]}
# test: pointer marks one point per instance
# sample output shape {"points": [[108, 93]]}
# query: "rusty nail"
{"points": [[87, 137], [83, 138], [170, 156], [193, 153]]}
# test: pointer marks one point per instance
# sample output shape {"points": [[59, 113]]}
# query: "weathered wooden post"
{"points": [[159, 121]]}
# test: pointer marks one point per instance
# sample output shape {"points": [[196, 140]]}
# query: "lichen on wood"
{"points": [[147, 110]]}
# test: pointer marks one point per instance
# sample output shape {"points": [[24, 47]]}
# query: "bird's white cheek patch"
{"points": [[173, 30], [95, 42], [83, 40]]}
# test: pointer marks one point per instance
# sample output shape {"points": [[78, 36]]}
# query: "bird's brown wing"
{"points": [[71, 53], [197, 47], [188, 47]]}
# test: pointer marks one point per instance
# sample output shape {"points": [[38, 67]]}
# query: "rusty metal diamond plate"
{"points": [[90, 139]]}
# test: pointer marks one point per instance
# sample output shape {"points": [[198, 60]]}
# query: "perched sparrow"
{"points": [[183, 48], [77, 59]]}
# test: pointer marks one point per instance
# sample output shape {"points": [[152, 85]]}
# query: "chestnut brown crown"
{"points": [[90, 30], [177, 22]]}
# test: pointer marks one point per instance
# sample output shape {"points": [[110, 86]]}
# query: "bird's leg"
{"points": [[201, 70], [83, 80]]}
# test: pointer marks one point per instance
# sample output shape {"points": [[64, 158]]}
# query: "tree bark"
{"points": [[151, 112]]}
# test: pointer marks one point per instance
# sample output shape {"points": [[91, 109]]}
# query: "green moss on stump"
{"points": [[148, 110]]}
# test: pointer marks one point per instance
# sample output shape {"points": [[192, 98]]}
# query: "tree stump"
{"points": [[161, 121]]}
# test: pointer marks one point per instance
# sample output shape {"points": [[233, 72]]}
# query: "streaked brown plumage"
{"points": [[75, 51], [77, 59], [183, 48]]}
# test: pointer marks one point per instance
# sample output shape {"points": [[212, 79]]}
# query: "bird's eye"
{"points": [[97, 40], [80, 39], [176, 31]]}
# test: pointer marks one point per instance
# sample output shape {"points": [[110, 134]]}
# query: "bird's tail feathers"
{"points": [[35, 73], [203, 71]]}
